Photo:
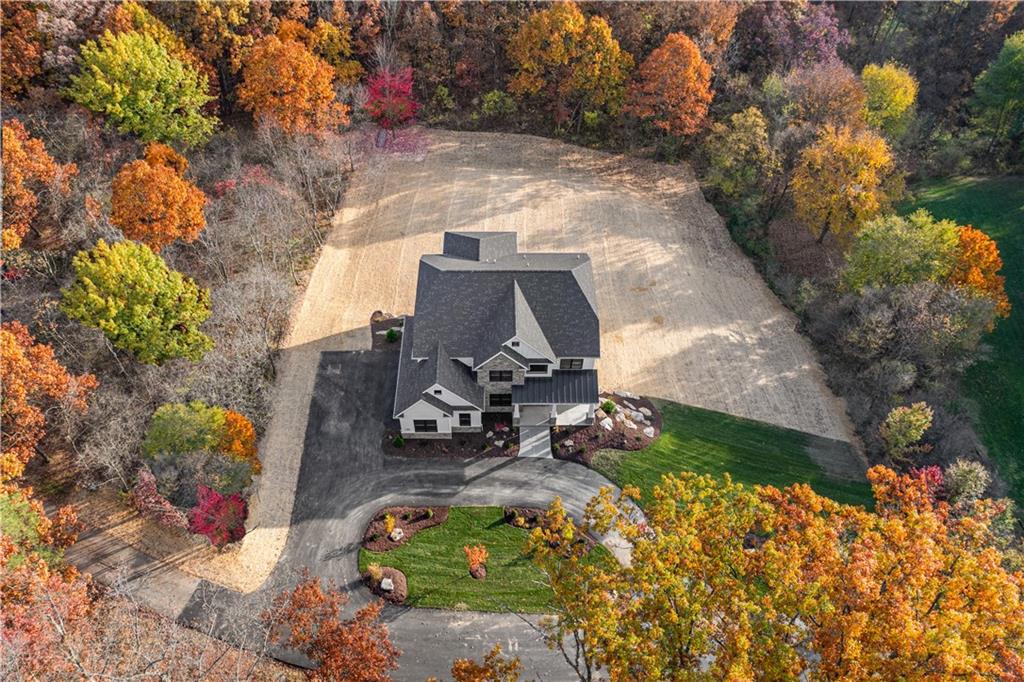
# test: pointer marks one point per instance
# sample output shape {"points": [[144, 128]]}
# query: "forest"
{"points": [[171, 170]]}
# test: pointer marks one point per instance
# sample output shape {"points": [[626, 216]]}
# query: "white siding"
{"points": [[422, 410]]}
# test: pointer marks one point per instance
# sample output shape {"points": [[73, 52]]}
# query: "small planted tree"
{"points": [[476, 557], [150, 503]]}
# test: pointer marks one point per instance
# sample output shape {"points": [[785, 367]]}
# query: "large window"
{"points": [[572, 363], [424, 425], [501, 375], [501, 400], [538, 369], [465, 419]]}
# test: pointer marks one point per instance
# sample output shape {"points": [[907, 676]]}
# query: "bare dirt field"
{"points": [[684, 315]]}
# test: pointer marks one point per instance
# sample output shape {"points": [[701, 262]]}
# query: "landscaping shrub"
{"points": [[148, 500], [966, 481], [374, 571], [609, 407], [398, 441], [391, 336]]}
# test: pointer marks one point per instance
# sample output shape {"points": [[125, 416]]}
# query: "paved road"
{"points": [[344, 479]]}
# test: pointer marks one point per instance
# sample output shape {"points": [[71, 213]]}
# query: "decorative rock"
{"points": [[600, 414], [397, 534], [499, 443], [629, 405], [568, 443], [649, 432], [645, 412], [629, 425], [387, 584], [638, 416], [627, 394], [620, 416], [607, 424], [490, 434]]}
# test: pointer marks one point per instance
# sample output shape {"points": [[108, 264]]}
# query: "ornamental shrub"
{"points": [[221, 518]]}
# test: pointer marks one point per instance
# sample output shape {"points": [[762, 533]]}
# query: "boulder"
{"points": [[638, 416], [499, 443], [627, 394], [607, 424], [620, 416], [397, 534], [387, 584], [649, 432], [600, 414], [490, 434], [645, 412], [629, 405], [629, 425], [568, 443]]}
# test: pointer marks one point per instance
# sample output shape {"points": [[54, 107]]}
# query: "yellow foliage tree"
{"points": [[845, 178], [573, 60], [891, 93]]}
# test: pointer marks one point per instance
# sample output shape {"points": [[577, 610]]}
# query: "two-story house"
{"points": [[496, 330]]}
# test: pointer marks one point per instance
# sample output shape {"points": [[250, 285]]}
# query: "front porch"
{"points": [[552, 415]]}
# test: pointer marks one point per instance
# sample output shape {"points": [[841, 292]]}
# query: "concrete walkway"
{"points": [[344, 480], [535, 441]]}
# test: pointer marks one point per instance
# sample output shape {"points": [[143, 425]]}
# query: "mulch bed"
{"points": [[587, 440], [380, 323], [395, 596], [376, 540], [462, 445]]}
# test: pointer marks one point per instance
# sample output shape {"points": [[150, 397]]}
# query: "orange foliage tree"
{"points": [[977, 266], [34, 383], [285, 83], [238, 439], [357, 650], [673, 88], [28, 172], [152, 203], [494, 668], [761, 583], [23, 48]]}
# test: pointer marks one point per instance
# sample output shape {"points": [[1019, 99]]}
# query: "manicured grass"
{"points": [[707, 442], [438, 577], [996, 384]]}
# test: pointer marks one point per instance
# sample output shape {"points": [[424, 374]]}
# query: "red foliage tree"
{"points": [[390, 100], [356, 650], [221, 518]]}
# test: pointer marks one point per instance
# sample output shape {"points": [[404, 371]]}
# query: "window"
{"points": [[424, 425], [538, 369], [465, 419], [501, 375], [501, 400], [572, 363]]}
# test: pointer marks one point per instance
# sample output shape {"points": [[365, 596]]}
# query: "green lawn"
{"points": [[995, 385], [435, 565], [703, 441]]}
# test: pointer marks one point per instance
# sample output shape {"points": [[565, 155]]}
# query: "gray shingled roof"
{"points": [[562, 387], [466, 304], [416, 376]]}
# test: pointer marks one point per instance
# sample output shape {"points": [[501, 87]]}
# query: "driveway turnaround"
{"points": [[344, 479]]}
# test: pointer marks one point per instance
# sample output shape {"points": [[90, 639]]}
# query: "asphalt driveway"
{"points": [[344, 479]]}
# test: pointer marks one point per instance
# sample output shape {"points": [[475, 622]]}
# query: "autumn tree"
{"points": [[37, 389], [389, 98], [731, 582], [890, 96], [221, 518], [571, 60], [781, 36], [127, 292], [152, 203], [23, 48], [976, 267], [892, 250], [283, 82], [29, 173], [673, 87], [904, 427], [330, 41], [845, 178], [998, 102], [308, 618], [494, 668], [742, 164], [131, 79], [826, 93]]}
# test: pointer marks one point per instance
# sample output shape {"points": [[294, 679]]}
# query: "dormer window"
{"points": [[514, 344], [437, 391]]}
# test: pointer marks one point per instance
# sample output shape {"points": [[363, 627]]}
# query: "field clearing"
{"points": [[996, 384]]}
